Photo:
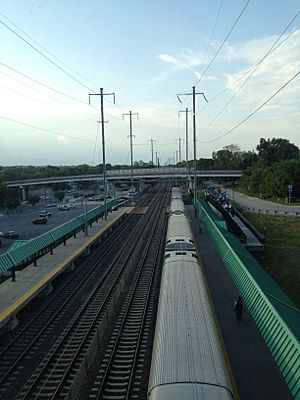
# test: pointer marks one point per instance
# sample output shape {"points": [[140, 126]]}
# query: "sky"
{"points": [[242, 56]]}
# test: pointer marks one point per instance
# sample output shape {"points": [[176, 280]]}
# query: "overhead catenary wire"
{"points": [[43, 84], [253, 112], [44, 48], [46, 57], [252, 71], [249, 70], [220, 47], [222, 44], [46, 130], [212, 34]]}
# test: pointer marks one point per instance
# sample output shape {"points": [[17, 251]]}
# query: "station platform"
{"points": [[32, 280], [253, 244], [255, 372]]}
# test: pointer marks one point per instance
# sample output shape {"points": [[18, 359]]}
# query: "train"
{"points": [[188, 361]]}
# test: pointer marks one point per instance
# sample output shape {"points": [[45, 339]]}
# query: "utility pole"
{"points": [[179, 149], [131, 148], [156, 159], [186, 134], [194, 93], [152, 150], [101, 94]]}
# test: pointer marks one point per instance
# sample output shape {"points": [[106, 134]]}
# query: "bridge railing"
{"points": [[276, 316], [161, 171]]}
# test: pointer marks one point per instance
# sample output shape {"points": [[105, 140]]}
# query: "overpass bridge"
{"points": [[125, 174]]}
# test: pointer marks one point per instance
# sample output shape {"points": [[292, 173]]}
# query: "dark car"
{"points": [[38, 221], [11, 235]]}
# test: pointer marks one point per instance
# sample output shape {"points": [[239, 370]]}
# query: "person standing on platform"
{"points": [[238, 307]]}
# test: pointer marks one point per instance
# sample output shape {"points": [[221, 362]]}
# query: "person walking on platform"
{"points": [[238, 308]]}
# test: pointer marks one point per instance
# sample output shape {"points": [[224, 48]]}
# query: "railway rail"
{"points": [[54, 341], [122, 370]]}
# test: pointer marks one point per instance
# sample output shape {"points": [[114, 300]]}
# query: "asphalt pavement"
{"points": [[21, 220], [256, 373], [261, 205]]}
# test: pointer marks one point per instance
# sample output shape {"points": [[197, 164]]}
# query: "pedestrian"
{"points": [[238, 307]]}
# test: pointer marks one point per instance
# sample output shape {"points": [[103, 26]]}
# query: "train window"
{"points": [[167, 256], [169, 241], [180, 253], [179, 240], [194, 255], [191, 241]]}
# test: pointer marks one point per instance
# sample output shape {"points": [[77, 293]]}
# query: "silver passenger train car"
{"points": [[187, 358]]}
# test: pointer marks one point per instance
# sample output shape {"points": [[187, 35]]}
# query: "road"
{"points": [[265, 206]]}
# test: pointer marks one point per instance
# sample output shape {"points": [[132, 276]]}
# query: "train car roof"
{"points": [[186, 347]]}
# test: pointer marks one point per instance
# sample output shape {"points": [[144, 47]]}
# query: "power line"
{"points": [[254, 112], [46, 57], [270, 51], [222, 44], [212, 34], [249, 70], [42, 84], [46, 50], [45, 130]]}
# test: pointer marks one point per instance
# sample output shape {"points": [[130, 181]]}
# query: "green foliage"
{"points": [[9, 198], [59, 194], [273, 150], [273, 181], [281, 258], [33, 199]]}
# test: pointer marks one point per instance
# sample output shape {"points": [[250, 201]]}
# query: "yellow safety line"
{"points": [[13, 307]]}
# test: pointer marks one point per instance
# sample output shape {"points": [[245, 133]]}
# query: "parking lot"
{"points": [[21, 220]]}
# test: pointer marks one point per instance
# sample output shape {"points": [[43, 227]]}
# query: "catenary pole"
{"points": [[131, 146], [101, 94], [194, 93], [152, 141]]}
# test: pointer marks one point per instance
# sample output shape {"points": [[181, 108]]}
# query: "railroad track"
{"points": [[122, 370], [57, 372], [30, 342]]}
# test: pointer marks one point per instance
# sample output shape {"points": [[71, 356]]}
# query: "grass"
{"points": [[281, 258]]}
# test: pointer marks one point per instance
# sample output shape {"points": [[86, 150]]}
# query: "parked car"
{"points": [[64, 208], [45, 214], [11, 235], [38, 221]]}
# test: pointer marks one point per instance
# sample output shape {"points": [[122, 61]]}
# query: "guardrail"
{"points": [[126, 173], [276, 316], [31, 249]]}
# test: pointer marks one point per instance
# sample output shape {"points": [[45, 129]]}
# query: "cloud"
{"points": [[186, 60], [63, 139], [276, 69], [169, 59]]}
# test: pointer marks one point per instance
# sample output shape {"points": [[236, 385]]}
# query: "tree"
{"points": [[272, 150], [60, 195], [33, 200]]}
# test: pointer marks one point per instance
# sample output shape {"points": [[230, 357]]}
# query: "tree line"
{"points": [[268, 171]]}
